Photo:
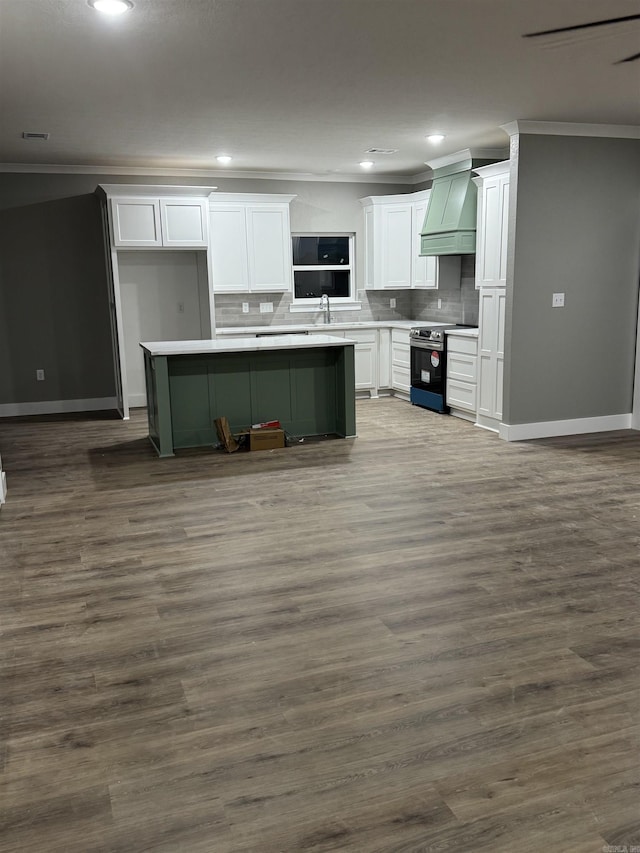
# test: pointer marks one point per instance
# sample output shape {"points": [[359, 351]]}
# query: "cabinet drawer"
{"points": [[400, 379], [400, 336], [463, 368], [362, 336], [466, 345], [400, 355], [461, 395]]}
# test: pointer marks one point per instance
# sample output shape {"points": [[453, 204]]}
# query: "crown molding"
{"points": [[567, 128], [149, 171], [467, 154]]}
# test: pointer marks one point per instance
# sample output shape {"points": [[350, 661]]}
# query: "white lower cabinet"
{"points": [[400, 361], [491, 356], [365, 357], [462, 375], [3, 484], [384, 358]]}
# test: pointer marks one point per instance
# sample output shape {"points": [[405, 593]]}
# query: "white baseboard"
{"points": [[577, 426], [137, 401], [57, 407]]}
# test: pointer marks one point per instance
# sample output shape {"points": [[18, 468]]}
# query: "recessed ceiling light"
{"points": [[366, 164], [111, 7], [435, 138], [224, 159]]}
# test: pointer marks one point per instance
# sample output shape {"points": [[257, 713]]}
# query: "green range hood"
{"points": [[450, 223]]}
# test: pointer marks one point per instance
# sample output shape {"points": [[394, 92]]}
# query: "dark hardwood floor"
{"points": [[425, 639]]}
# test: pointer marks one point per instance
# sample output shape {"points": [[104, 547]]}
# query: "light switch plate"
{"points": [[266, 307], [558, 300], [245, 307]]}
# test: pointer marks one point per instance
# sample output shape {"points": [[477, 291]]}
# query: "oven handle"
{"points": [[438, 346]]}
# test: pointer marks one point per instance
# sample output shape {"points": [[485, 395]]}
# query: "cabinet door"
{"points": [[366, 361], [397, 245], [493, 214], [228, 237], [365, 367], [184, 223], [491, 354], [369, 249], [269, 247], [136, 222], [424, 266], [384, 358]]}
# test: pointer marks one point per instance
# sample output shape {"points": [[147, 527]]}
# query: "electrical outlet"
{"points": [[439, 303], [392, 302], [40, 375], [266, 307], [245, 307], [180, 307], [557, 300]]}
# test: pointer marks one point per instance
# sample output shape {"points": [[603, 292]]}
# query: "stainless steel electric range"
{"points": [[428, 346]]}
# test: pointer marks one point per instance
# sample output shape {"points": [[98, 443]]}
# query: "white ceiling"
{"points": [[301, 86]]}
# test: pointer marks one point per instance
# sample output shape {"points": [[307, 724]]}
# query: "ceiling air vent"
{"points": [[27, 135], [381, 151]]}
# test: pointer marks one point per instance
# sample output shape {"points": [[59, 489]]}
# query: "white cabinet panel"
{"points": [[384, 358], [462, 367], [184, 223], [136, 222], [424, 267], [491, 355], [461, 395], [492, 225], [397, 243], [269, 244], [229, 257], [400, 379], [366, 359]]}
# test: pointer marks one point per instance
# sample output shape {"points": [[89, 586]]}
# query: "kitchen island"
{"points": [[304, 381]]}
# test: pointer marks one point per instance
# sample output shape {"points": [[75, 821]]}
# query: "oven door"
{"points": [[427, 366]]}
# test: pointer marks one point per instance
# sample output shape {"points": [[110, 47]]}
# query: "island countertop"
{"points": [[248, 344]]}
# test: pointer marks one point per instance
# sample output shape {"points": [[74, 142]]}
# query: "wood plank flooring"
{"points": [[424, 639]]}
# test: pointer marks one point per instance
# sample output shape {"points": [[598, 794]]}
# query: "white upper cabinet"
{"points": [[184, 222], [392, 245], [250, 239], [492, 225], [136, 222], [152, 221], [229, 255]]}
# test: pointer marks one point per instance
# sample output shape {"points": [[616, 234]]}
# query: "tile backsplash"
{"points": [[458, 304]]}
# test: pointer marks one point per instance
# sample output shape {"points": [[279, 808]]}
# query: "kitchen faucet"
{"points": [[326, 307]]}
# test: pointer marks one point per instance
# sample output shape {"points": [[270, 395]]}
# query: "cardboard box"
{"points": [[266, 439], [225, 437]]}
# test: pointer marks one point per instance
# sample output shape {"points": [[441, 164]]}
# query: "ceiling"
{"points": [[301, 86]]}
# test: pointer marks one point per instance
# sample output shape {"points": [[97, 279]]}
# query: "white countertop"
{"points": [[248, 344], [462, 333], [321, 328]]}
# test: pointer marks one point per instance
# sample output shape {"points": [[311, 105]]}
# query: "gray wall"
{"points": [[577, 231], [53, 291]]}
